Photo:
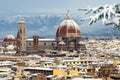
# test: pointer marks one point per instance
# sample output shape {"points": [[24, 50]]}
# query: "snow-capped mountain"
{"points": [[46, 25]]}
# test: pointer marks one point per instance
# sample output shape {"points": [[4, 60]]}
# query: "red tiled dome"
{"points": [[68, 26], [9, 38]]}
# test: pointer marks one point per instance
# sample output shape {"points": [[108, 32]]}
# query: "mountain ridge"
{"points": [[46, 25]]}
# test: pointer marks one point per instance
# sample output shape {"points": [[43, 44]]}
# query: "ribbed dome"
{"points": [[10, 37], [68, 27]]}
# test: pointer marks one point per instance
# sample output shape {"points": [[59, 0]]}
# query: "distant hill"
{"points": [[46, 25]]}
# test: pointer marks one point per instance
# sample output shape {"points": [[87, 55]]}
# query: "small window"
{"points": [[73, 62], [44, 44], [62, 38], [52, 44], [29, 43]]}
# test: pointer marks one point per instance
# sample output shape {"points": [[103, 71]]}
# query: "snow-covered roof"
{"points": [[42, 39], [21, 21], [50, 62], [70, 23], [36, 56], [49, 76], [10, 37], [85, 79], [81, 42], [10, 47], [38, 68], [76, 60], [6, 63], [61, 66], [5, 70]]}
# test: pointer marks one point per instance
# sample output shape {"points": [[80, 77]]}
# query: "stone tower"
{"points": [[21, 36], [35, 43]]}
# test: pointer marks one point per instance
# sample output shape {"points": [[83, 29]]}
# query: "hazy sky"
{"points": [[23, 7]]}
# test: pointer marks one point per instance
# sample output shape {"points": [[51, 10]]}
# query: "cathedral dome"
{"points": [[68, 27], [9, 38]]}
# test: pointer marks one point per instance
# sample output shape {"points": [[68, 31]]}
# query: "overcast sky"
{"points": [[23, 7]]}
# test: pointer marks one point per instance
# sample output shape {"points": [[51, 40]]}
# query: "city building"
{"points": [[67, 57]]}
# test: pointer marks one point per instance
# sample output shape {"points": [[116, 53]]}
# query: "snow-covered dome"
{"points": [[71, 43], [61, 43], [68, 27], [9, 38], [10, 47]]}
